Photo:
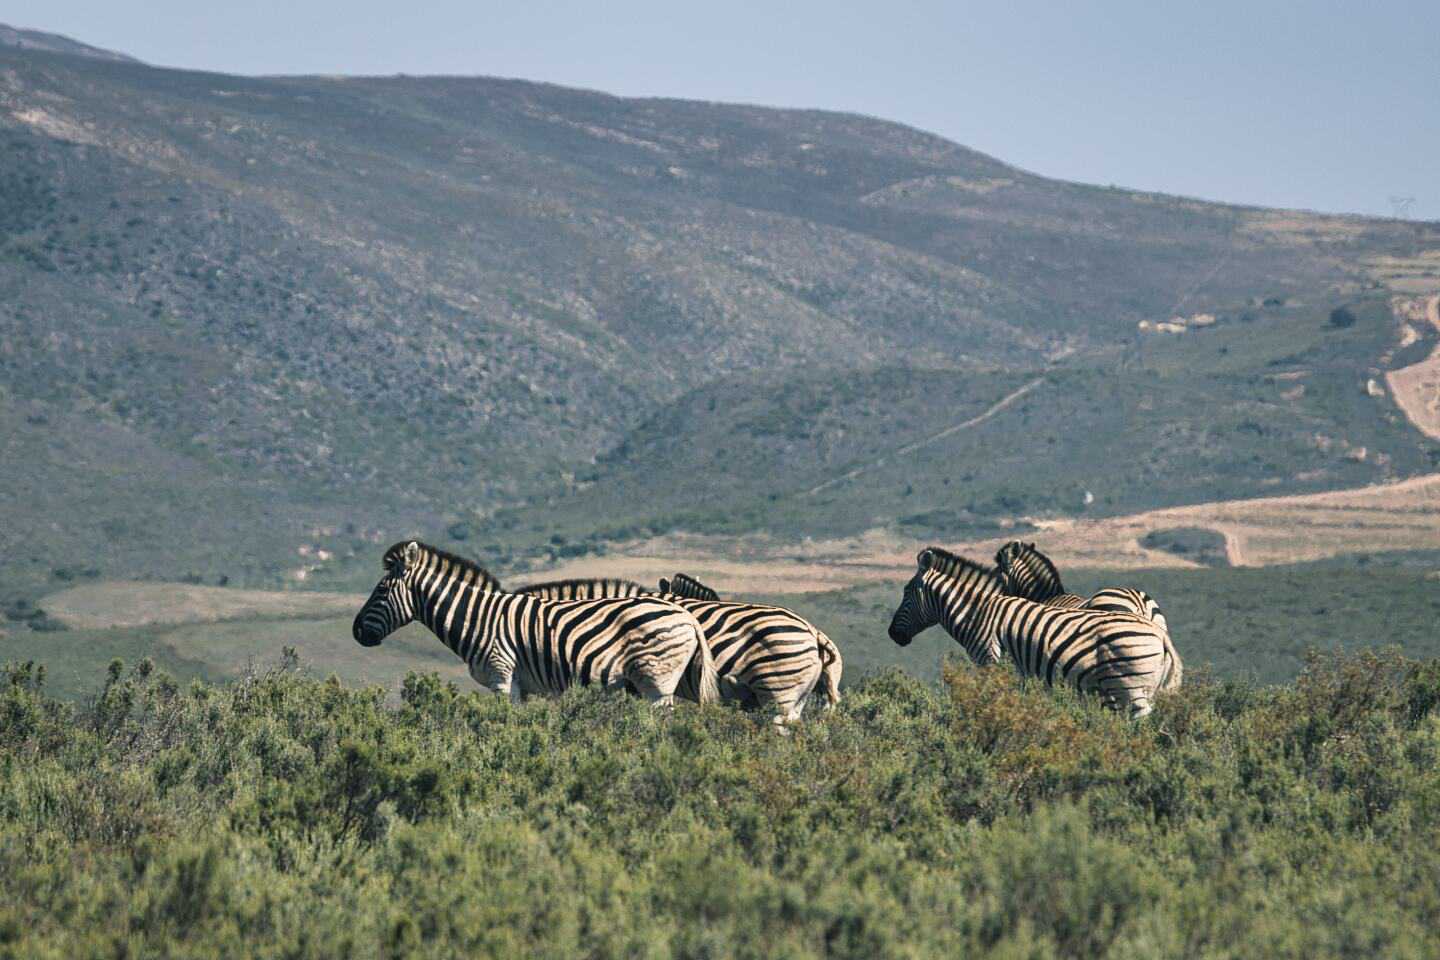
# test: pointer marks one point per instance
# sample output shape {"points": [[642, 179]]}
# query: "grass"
{"points": [[288, 816]]}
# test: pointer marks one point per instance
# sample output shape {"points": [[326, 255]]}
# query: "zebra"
{"points": [[1029, 573], [765, 656], [833, 665], [1119, 656], [518, 645]]}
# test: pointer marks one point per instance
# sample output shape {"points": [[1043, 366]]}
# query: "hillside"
{"points": [[245, 317]]}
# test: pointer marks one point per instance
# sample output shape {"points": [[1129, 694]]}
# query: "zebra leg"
{"points": [[790, 703], [656, 675], [500, 683], [738, 692]]}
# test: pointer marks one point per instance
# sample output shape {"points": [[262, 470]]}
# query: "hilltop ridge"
{"points": [[55, 43]]}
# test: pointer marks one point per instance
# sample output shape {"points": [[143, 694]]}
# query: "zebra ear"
{"points": [[664, 585], [411, 554], [924, 558]]}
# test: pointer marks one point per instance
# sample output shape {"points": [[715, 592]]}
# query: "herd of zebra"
{"points": [[683, 639]]}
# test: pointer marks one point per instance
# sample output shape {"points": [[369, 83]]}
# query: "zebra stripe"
{"points": [[1029, 573], [765, 656], [585, 589], [832, 664], [518, 645], [1118, 656]]}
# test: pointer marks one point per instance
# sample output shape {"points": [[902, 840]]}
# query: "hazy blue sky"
{"points": [[1324, 105]]}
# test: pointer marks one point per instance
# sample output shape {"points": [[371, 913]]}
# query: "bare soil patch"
{"points": [[1259, 532], [1416, 388]]}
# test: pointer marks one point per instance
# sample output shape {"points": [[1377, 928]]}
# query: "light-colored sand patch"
{"points": [[98, 606], [1294, 226], [1259, 532], [1416, 388]]}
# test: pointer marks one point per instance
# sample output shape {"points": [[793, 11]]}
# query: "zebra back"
{"points": [[593, 588], [1141, 604], [832, 665], [1128, 600]]}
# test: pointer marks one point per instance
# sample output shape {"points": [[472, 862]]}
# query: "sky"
{"points": [[1321, 105]]}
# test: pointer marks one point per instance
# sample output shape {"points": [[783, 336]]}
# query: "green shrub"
{"points": [[288, 816]]}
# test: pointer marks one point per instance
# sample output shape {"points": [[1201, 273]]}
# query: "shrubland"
{"points": [[284, 815]]}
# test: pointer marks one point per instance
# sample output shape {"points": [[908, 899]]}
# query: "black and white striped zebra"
{"points": [[832, 664], [1031, 574], [766, 657], [1116, 655], [517, 644]]}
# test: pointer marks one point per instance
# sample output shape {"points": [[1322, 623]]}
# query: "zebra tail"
{"points": [[702, 674], [1174, 670], [831, 666]]}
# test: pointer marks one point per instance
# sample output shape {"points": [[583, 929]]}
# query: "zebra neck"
{"points": [[1038, 587], [466, 617], [962, 613]]}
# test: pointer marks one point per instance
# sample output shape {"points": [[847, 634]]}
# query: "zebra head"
{"points": [[392, 602], [1027, 572], [954, 591], [918, 608]]}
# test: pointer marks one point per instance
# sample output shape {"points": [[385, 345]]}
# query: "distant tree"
{"points": [[1342, 317]]}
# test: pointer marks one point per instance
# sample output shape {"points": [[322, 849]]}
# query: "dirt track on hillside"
{"points": [[1416, 388]]}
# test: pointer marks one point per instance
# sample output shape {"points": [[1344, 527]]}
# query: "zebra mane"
{"points": [[616, 582], [684, 585], [946, 562], [1028, 554], [483, 578]]}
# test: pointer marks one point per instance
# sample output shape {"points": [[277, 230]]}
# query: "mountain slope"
{"points": [[399, 299], [54, 43]]}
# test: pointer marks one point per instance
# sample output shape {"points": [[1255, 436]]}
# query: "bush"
{"points": [[282, 815]]}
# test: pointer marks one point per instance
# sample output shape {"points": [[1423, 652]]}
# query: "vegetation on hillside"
{"points": [[238, 309], [295, 817]]}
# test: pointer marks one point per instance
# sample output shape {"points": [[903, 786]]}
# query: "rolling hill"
{"points": [[245, 322]]}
